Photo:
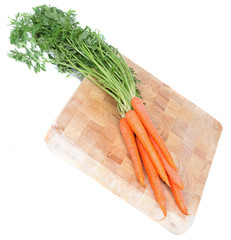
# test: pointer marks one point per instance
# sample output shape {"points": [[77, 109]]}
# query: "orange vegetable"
{"points": [[140, 109], [178, 195], [172, 173], [138, 128], [130, 141], [153, 177]]}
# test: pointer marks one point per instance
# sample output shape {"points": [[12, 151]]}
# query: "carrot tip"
{"points": [[167, 183], [142, 183], [141, 180], [158, 220], [187, 213]]}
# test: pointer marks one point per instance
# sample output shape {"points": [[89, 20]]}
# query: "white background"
{"points": [[187, 45]]}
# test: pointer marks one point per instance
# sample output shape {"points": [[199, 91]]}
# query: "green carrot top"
{"points": [[49, 35]]}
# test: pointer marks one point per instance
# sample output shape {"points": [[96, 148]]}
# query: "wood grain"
{"points": [[86, 133]]}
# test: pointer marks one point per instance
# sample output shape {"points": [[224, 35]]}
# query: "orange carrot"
{"points": [[138, 128], [172, 173], [178, 195], [130, 141], [139, 107], [153, 177]]}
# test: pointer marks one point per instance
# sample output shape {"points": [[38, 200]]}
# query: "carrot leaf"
{"points": [[50, 35]]}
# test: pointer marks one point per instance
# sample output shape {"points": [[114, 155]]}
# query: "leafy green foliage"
{"points": [[49, 35]]}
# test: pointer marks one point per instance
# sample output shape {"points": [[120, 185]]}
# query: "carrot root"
{"points": [[178, 195], [140, 109], [153, 177], [138, 128], [130, 141], [171, 172]]}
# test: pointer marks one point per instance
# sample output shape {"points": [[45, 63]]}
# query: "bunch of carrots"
{"points": [[50, 35], [146, 146]]}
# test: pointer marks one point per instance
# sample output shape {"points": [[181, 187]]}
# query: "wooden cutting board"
{"points": [[86, 134]]}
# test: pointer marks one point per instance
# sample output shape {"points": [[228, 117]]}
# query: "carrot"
{"points": [[138, 128], [153, 177], [139, 107], [130, 141], [178, 195], [172, 173]]}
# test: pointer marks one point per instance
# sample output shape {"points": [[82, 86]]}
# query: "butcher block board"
{"points": [[86, 134]]}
